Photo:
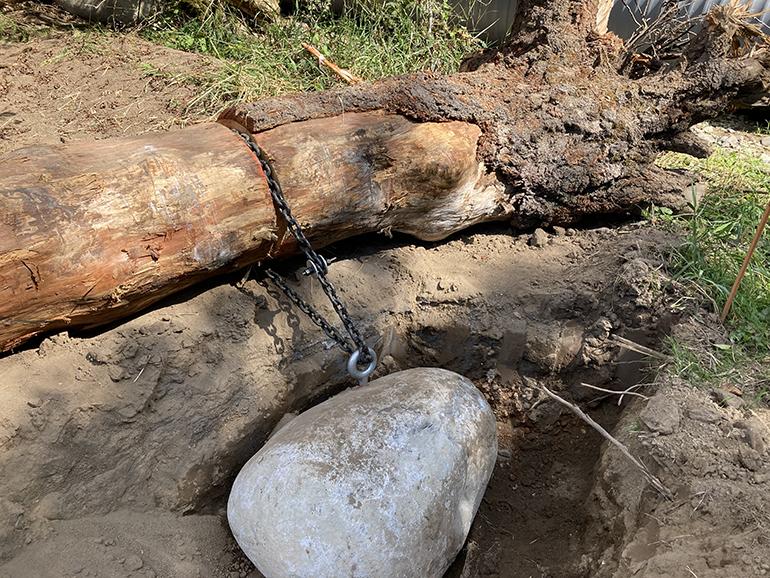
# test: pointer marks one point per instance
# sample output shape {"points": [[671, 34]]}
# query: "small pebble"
{"points": [[504, 454], [539, 238], [134, 562]]}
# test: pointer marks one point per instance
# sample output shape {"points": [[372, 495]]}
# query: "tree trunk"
{"points": [[562, 129], [97, 231], [542, 131]]}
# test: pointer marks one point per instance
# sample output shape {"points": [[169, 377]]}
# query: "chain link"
{"points": [[308, 310], [318, 266]]}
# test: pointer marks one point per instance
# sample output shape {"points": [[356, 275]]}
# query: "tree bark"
{"points": [[96, 231], [562, 129], [558, 123]]}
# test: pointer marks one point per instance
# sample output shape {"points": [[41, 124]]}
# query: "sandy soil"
{"points": [[117, 446]]}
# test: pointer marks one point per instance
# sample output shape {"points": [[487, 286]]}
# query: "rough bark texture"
{"points": [[562, 129], [93, 232], [543, 131]]}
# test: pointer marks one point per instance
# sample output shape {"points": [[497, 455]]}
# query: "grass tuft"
{"points": [[396, 37], [717, 237], [13, 31]]}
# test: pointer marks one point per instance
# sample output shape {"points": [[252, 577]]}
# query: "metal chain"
{"points": [[318, 265], [308, 310]]}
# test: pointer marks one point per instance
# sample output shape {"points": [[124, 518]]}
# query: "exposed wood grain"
{"points": [[362, 172], [95, 231], [546, 129]]}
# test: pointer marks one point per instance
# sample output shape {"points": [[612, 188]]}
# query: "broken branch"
{"points": [[620, 393], [344, 74], [649, 476], [633, 346]]}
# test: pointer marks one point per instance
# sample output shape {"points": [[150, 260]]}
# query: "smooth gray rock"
{"points": [[378, 482]]}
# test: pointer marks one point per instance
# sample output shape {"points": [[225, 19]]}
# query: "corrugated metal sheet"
{"points": [[622, 24], [493, 18]]}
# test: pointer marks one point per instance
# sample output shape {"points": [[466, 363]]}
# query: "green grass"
{"points": [[254, 59], [701, 365], [257, 61], [12, 31], [717, 237], [707, 365]]}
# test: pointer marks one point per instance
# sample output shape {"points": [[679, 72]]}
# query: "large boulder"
{"points": [[381, 481]]}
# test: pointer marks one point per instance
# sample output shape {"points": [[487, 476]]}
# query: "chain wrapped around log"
{"points": [[548, 128], [93, 232]]}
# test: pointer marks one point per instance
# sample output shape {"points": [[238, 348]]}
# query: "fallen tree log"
{"points": [[96, 231], [558, 123]]}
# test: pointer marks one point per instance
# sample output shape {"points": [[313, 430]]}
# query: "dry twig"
{"points": [[633, 346], [649, 476], [744, 266], [344, 74], [620, 393]]}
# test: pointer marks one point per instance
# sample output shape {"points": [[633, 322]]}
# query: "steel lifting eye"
{"points": [[355, 373]]}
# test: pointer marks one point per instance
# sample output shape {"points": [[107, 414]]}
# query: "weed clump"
{"points": [[717, 237], [259, 59]]}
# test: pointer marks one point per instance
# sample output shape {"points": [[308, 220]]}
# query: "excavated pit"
{"points": [[120, 439]]}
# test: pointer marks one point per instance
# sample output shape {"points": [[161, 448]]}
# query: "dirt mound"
{"points": [[117, 447]]}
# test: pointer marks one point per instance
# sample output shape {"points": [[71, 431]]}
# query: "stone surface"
{"points": [[728, 399], [661, 415], [704, 413], [539, 238], [749, 458], [134, 562], [381, 481], [754, 433]]}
